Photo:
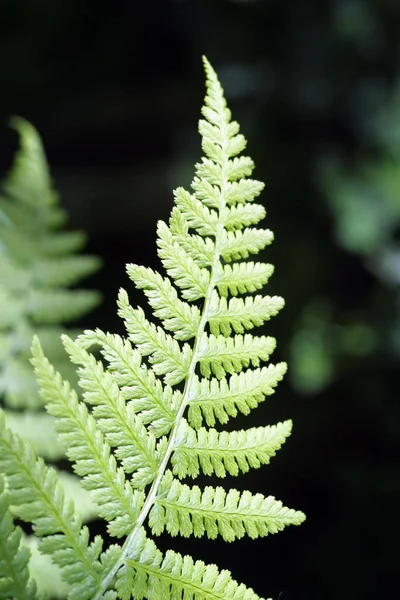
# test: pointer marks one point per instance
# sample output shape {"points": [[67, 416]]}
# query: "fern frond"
{"points": [[221, 399], [37, 265], [176, 316], [241, 278], [195, 213], [200, 249], [153, 402], [86, 447], [166, 356], [217, 453], [239, 314], [14, 558], [222, 355], [151, 575], [193, 280], [235, 218], [134, 446], [239, 244], [38, 498], [133, 435], [188, 511]]}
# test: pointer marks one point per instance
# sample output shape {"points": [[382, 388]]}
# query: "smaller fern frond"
{"points": [[195, 213], [222, 355], [220, 453], [154, 403], [14, 558], [235, 218], [214, 399], [86, 447], [134, 446], [165, 354], [241, 278], [239, 244], [37, 497], [188, 511], [38, 263], [190, 278], [176, 315], [241, 315], [200, 249], [150, 575]]}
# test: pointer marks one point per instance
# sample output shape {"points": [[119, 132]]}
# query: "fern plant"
{"points": [[38, 265], [151, 410]]}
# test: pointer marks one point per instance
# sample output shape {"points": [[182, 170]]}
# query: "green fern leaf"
{"points": [[213, 452], [190, 511], [52, 516], [235, 218], [86, 445], [176, 316], [151, 575], [154, 403], [37, 265], [146, 410], [166, 356], [221, 355]]}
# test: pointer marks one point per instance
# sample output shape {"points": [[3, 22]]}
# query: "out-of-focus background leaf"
{"points": [[115, 90]]}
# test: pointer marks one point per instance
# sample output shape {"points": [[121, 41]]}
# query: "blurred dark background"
{"points": [[115, 89]]}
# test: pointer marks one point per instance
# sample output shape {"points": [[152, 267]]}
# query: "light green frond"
{"points": [[208, 194], [238, 244], [239, 167], [134, 446], [196, 214], [218, 400], [37, 265], [150, 575], [87, 448], [210, 170], [237, 217], [213, 452], [241, 314], [166, 355], [176, 315], [149, 401], [242, 278], [220, 355], [192, 280], [200, 249], [187, 511], [244, 190], [37, 497], [154, 403], [14, 558]]}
